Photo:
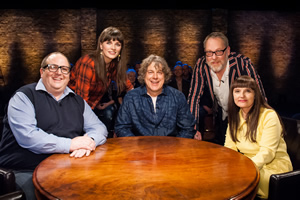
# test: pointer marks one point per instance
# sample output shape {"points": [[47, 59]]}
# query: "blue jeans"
{"points": [[107, 116], [24, 182]]}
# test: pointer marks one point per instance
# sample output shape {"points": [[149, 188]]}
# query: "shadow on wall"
{"points": [[172, 34], [43, 31], [16, 75], [265, 69], [292, 84], [273, 47], [279, 69]]}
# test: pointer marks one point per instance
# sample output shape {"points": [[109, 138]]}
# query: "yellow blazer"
{"points": [[268, 153]]}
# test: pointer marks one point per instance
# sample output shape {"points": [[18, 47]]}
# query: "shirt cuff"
{"points": [[98, 138], [64, 145]]}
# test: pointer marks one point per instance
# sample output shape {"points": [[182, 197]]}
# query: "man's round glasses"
{"points": [[218, 53], [54, 68]]}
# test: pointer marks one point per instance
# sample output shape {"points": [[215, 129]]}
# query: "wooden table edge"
{"points": [[252, 188], [39, 191], [248, 193]]}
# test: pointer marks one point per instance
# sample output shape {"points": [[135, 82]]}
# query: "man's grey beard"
{"points": [[217, 69]]}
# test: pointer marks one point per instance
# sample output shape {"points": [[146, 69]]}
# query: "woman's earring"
{"points": [[101, 52], [119, 57]]}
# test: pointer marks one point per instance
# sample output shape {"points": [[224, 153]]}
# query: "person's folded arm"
{"points": [[22, 121]]}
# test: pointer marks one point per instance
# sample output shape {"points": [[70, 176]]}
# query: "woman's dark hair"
{"points": [[108, 34], [253, 115]]}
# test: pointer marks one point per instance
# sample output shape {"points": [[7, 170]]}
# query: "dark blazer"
{"points": [[185, 86], [201, 81]]}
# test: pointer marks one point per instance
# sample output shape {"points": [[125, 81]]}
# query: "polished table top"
{"points": [[149, 168]]}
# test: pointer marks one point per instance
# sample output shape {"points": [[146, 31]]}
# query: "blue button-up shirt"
{"points": [[137, 116]]}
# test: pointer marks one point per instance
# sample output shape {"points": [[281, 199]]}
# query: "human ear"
{"points": [[41, 72], [228, 50]]}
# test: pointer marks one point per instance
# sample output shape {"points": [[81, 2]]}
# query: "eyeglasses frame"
{"points": [[215, 52], [58, 67]]}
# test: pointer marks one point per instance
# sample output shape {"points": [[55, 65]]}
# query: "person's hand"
{"points": [[80, 153], [198, 136], [82, 142], [208, 110], [102, 106]]}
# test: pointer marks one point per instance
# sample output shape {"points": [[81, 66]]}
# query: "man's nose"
{"points": [[214, 56], [59, 71]]}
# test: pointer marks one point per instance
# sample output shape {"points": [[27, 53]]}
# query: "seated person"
{"points": [[256, 131], [45, 118], [108, 108], [178, 82], [187, 72], [131, 75], [154, 109]]}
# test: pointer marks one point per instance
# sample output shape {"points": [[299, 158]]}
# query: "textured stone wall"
{"points": [[88, 30], [172, 34], [270, 38], [26, 36]]}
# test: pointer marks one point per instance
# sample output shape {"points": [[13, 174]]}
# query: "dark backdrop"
{"points": [[268, 34]]}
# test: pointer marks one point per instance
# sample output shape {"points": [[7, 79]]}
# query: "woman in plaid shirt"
{"points": [[92, 75]]}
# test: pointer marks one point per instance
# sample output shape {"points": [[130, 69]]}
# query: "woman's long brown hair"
{"points": [[253, 115], [108, 34]]}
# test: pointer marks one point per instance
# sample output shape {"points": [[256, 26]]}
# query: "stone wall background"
{"points": [[269, 38], [172, 34]]}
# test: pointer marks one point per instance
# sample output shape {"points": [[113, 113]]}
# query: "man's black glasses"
{"points": [[54, 68], [218, 53]]}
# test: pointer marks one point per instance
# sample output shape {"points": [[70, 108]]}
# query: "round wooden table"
{"points": [[149, 168]]}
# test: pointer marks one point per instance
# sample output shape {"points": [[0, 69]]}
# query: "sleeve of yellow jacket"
{"points": [[229, 142], [268, 137]]}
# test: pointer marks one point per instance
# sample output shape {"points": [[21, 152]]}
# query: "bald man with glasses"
{"points": [[45, 118]]}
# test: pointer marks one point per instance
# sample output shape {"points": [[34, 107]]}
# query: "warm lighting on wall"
{"points": [[27, 36], [154, 36], [188, 43], [282, 49], [267, 40], [19, 49]]}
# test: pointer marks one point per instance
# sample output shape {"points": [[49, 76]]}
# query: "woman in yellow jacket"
{"points": [[256, 131]]}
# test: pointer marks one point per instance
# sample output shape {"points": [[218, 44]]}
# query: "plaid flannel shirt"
{"points": [[83, 81]]}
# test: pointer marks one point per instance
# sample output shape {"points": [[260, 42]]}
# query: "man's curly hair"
{"points": [[159, 63]]}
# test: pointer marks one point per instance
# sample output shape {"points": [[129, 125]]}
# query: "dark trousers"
{"points": [[24, 182], [221, 127], [107, 116]]}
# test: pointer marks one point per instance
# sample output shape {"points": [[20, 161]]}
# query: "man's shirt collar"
{"points": [[40, 86], [144, 90]]}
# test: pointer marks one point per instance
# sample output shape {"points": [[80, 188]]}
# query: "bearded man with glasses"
{"points": [[212, 76]]}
